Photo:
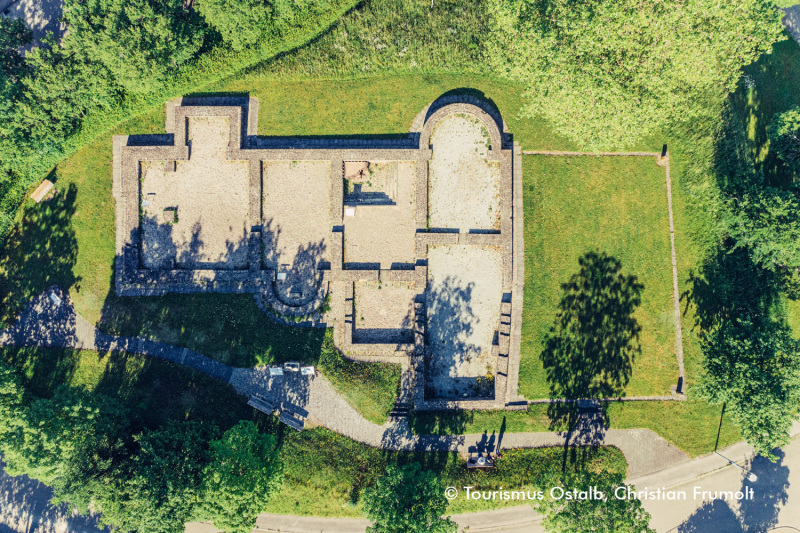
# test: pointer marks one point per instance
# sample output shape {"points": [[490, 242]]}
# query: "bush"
{"points": [[784, 137]]}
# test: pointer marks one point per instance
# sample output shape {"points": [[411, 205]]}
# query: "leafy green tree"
{"points": [[766, 222], [245, 472], [158, 490], [243, 23], [784, 137], [407, 500], [59, 91], [138, 41], [51, 431], [602, 515], [14, 34], [607, 74], [10, 399], [753, 367]]}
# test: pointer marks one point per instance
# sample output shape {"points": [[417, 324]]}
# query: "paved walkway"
{"points": [[25, 508], [51, 321], [791, 20]]}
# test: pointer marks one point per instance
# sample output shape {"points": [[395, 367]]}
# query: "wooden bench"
{"points": [[296, 410], [42, 190], [261, 404], [291, 421]]}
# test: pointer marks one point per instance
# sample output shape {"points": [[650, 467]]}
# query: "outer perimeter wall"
{"points": [[410, 248]]}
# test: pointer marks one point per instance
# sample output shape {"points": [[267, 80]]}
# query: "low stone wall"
{"points": [[337, 282]]}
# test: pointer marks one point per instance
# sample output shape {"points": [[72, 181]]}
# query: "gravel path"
{"points": [[44, 323]]}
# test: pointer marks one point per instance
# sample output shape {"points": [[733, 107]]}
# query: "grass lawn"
{"points": [[326, 473], [616, 205]]}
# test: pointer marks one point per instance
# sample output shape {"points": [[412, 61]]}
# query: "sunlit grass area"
{"points": [[611, 205]]}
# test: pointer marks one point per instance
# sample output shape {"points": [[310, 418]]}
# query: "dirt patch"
{"points": [[465, 286], [384, 312], [383, 234], [463, 186], [195, 213], [297, 223]]}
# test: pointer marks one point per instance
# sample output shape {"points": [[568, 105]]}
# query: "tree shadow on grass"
{"points": [[590, 349], [727, 286], [40, 251], [769, 86]]}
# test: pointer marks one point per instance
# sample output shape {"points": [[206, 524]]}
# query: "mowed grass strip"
{"points": [[615, 205]]}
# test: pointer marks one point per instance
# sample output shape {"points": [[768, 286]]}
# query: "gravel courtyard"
{"points": [[208, 195], [385, 234], [297, 224], [297, 212], [463, 307], [464, 187], [384, 312]]}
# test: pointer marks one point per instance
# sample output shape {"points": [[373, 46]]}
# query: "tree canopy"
{"points": [[243, 23], [607, 74], [753, 367], [52, 430], [784, 137], [159, 487], [767, 223], [407, 500], [14, 34], [138, 41], [10, 399], [596, 515], [246, 470]]}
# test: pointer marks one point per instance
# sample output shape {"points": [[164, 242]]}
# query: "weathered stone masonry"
{"points": [[334, 279]]}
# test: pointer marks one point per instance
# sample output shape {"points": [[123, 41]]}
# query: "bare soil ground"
{"points": [[463, 308], [384, 233], [463, 187], [384, 312], [210, 194], [297, 223]]}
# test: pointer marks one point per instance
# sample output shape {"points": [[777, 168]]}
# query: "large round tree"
{"points": [[606, 74], [407, 500]]}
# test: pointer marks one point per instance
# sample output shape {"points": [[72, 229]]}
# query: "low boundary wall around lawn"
{"points": [[678, 391]]}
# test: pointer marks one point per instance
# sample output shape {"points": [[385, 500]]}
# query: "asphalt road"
{"points": [[25, 508], [41, 16], [775, 499]]}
